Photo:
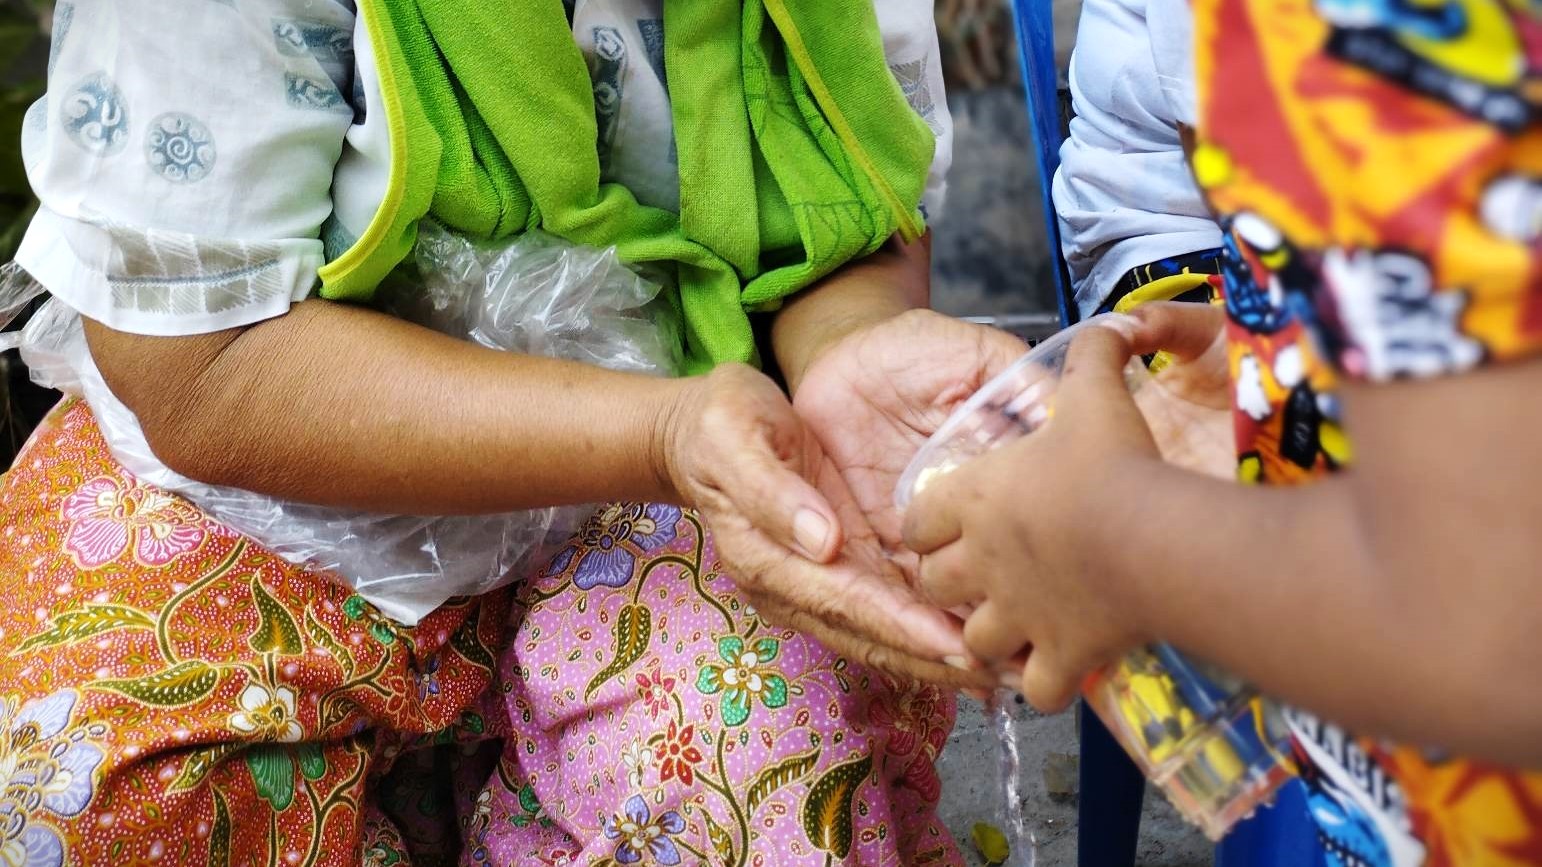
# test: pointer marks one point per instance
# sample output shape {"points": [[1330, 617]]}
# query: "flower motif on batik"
{"points": [[428, 680], [654, 689], [47, 776], [380, 627], [638, 759], [914, 723], [267, 714], [108, 518], [676, 754], [744, 677], [640, 834], [533, 812], [612, 540]]}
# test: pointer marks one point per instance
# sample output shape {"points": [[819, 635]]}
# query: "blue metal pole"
{"points": [[1036, 47]]}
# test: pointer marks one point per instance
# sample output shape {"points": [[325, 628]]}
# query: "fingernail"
{"points": [[1124, 325], [957, 662], [1008, 680], [812, 532]]}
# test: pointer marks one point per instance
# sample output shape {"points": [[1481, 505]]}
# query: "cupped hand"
{"points": [[876, 396], [1188, 404], [788, 528]]}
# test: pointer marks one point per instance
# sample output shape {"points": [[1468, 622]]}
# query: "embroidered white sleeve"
{"points": [[184, 156]]}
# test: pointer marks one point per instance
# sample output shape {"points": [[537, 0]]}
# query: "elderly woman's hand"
{"points": [[794, 539], [878, 394], [872, 399], [1188, 405]]}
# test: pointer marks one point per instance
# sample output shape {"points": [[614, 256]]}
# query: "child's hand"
{"points": [[1014, 531]]}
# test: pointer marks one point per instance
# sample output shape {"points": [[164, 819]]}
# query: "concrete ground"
{"points": [[1047, 747], [992, 258]]}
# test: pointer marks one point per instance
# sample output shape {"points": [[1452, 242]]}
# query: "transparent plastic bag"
{"points": [[535, 294], [540, 295], [17, 290]]}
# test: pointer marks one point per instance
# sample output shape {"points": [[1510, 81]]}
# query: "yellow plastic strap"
{"points": [[1165, 289]]}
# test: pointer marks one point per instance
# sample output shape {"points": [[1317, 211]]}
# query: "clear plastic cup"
{"points": [[1215, 747], [1017, 402]]}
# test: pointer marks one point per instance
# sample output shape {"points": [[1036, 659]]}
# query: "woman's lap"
{"points": [[171, 692], [642, 690], [205, 701]]}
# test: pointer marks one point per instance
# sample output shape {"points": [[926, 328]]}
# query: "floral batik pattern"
{"points": [[48, 762], [171, 693], [658, 720]]}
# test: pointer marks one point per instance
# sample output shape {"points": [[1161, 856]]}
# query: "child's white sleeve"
{"points": [[1171, 26], [1124, 194]]}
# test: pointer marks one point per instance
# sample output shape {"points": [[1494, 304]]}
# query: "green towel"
{"points": [[797, 150]]}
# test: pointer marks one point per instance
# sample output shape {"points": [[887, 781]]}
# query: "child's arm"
{"points": [[1401, 599]]}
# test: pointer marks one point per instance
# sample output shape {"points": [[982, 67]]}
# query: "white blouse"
{"points": [[199, 160]]}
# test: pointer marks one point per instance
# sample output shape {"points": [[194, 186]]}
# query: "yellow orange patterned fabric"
{"points": [[1377, 169]]}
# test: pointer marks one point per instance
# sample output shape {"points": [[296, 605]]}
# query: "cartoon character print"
{"points": [[1475, 55], [1378, 804], [1346, 834], [1287, 418], [1396, 322], [1255, 292], [1444, 21], [1358, 807], [1511, 207]]}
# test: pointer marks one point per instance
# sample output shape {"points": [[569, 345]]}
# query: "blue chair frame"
{"points": [[1111, 788], [1041, 83]]}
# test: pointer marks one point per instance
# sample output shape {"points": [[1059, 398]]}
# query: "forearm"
{"points": [[1293, 590], [885, 284], [338, 405]]}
